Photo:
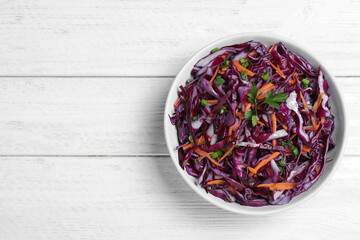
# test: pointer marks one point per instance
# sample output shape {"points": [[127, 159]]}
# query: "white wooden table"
{"points": [[82, 91]]}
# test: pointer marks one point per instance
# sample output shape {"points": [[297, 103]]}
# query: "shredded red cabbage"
{"points": [[254, 125]]}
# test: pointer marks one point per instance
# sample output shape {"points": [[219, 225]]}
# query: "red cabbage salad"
{"points": [[253, 123]]}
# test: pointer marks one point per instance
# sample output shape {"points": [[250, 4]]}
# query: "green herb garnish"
{"points": [[226, 63], [305, 83], [244, 62], [265, 75], [214, 50], [222, 110], [219, 81], [282, 162], [203, 102], [216, 154], [191, 139], [272, 98], [294, 150], [244, 75], [195, 118]]}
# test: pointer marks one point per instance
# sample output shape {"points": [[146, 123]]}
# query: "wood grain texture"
{"points": [[145, 198], [101, 116], [147, 38]]}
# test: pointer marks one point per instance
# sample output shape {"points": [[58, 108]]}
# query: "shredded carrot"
{"points": [[313, 122], [263, 162], [278, 186], [273, 126], [223, 70], [278, 70], [253, 53], [309, 128], [207, 155], [230, 130], [317, 170], [303, 101], [260, 122], [293, 80], [318, 102], [294, 135], [199, 141], [241, 68], [212, 101], [237, 125], [232, 190], [272, 48], [263, 90], [227, 152], [282, 125], [216, 182], [240, 114], [307, 108], [305, 149], [177, 102], [213, 77], [288, 154], [248, 106], [322, 120]]}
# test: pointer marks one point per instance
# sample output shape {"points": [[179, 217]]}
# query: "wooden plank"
{"points": [[106, 116], [155, 38], [145, 198]]}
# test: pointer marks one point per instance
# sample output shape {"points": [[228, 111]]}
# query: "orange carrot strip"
{"points": [[318, 102], [278, 70], [294, 135], [282, 125], [305, 149], [222, 71], [212, 101], [322, 120], [259, 122], [177, 102], [216, 182], [237, 125], [230, 129], [253, 53], [241, 68], [263, 162], [303, 101], [273, 126], [317, 170], [278, 186], [293, 80], [213, 77], [240, 114], [266, 88], [199, 141], [207, 155], [232, 190], [227, 152], [272, 48], [313, 123], [288, 154], [248, 106], [263, 90], [309, 128]]}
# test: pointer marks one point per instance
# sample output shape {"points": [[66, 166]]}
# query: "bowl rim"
{"points": [[256, 36]]}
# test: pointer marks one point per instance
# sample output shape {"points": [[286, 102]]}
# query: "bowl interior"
{"points": [[337, 108]]}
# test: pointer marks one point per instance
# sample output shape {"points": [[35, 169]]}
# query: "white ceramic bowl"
{"points": [[337, 108]]}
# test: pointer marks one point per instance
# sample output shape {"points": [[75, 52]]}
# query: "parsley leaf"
{"points": [[272, 98], [249, 114], [253, 94], [253, 120]]}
